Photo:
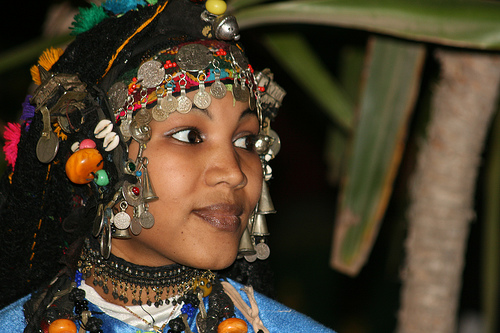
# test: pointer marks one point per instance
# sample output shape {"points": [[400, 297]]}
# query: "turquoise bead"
{"points": [[101, 178]]}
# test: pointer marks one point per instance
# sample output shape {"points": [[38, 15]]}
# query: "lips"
{"points": [[225, 217]]}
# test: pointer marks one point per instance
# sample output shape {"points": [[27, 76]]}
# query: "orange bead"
{"points": [[62, 326], [233, 325], [82, 164]]}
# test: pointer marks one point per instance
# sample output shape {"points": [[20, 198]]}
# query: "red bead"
{"points": [[262, 89], [136, 190]]}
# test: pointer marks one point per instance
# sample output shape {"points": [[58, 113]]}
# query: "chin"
{"points": [[214, 261]]}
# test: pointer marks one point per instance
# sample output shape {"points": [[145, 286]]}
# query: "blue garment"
{"points": [[275, 316]]}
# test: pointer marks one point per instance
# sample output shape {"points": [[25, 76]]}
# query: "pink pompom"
{"points": [[12, 135]]}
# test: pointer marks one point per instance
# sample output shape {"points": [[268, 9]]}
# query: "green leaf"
{"points": [[387, 102], [461, 23], [302, 63]]}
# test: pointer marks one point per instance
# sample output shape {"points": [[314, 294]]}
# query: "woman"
{"points": [[142, 160]]}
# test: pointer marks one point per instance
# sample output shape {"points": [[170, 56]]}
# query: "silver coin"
{"points": [[193, 57], [238, 57], [262, 250], [241, 93], [47, 147], [147, 220], [143, 116], [276, 145], [159, 113], [184, 104], [140, 132], [117, 95], [135, 226], [218, 89], [202, 99], [121, 220], [251, 257], [169, 104], [125, 129], [151, 74]]}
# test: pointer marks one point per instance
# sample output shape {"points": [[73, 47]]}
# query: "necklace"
{"points": [[156, 328], [149, 285]]}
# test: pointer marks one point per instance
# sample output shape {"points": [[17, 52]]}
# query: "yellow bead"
{"points": [[82, 164], [233, 325], [62, 326], [216, 7], [204, 284]]}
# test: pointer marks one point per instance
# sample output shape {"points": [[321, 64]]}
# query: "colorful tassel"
{"points": [[12, 135], [118, 7], [87, 19], [48, 58], [28, 112]]}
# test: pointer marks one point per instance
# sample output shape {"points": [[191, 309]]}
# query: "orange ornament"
{"points": [[62, 326], [82, 164], [233, 325]]}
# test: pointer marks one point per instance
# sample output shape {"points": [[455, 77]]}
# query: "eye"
{"points": [[190, 135], [245, 142]]}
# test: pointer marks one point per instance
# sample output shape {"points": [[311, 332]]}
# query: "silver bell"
{"points": [[226, 28]]}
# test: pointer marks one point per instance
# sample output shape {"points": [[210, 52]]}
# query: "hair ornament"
{"points": [[48, 58], [12, 135], [88, 18]]}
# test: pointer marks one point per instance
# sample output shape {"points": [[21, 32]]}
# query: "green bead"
{"points": [[101, 178]]}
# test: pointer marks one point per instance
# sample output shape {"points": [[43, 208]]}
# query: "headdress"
{"points": [[132, 62]]}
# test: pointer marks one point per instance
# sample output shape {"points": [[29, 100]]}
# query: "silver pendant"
{"points": [[135, 226], [202, 99], [184, 104], [240, 92], [121, 220], [147, 220], [143, 116], [158, 112], [48, 144], [193, 57], [151, 74], [117, 95], [170, 102], [218, 89], [238, 57], [262, 250]]}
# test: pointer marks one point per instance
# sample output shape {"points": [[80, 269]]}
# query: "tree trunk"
{"points": [[442, 191]]}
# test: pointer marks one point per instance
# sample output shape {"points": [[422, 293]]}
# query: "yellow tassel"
{"points": [[48, 58]]}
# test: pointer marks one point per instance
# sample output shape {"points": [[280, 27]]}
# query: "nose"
{"points": [[224, 167]]}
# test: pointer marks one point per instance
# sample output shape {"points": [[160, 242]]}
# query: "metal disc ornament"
{"points": [[184, 104], [159, 113], [151, 73], [135, 226], [147, 220], [121, 220], [218, 89], [251, 257], [169, 104], [238, 56], [117, 95], [128, 193], [193, 57], [202, 99], [241, 93], [262, 251], [47, 147]]}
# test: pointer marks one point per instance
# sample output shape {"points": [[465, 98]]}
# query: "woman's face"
{"points": [[208, 180]]}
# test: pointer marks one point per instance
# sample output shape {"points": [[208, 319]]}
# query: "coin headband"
{"points": [[178, 70]]}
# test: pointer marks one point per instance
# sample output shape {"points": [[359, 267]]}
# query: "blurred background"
{"points": [[319, 125]]}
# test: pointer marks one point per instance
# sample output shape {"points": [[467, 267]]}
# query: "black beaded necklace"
{"points": [[156, 283]]}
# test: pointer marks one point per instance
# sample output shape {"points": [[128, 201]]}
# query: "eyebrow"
{"points": [[245, 112]]}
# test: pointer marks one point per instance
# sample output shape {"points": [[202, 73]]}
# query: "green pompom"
{"points": [[87, 19]]}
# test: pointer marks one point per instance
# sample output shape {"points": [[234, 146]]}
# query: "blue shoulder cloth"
{"points": [[276, 318]]}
